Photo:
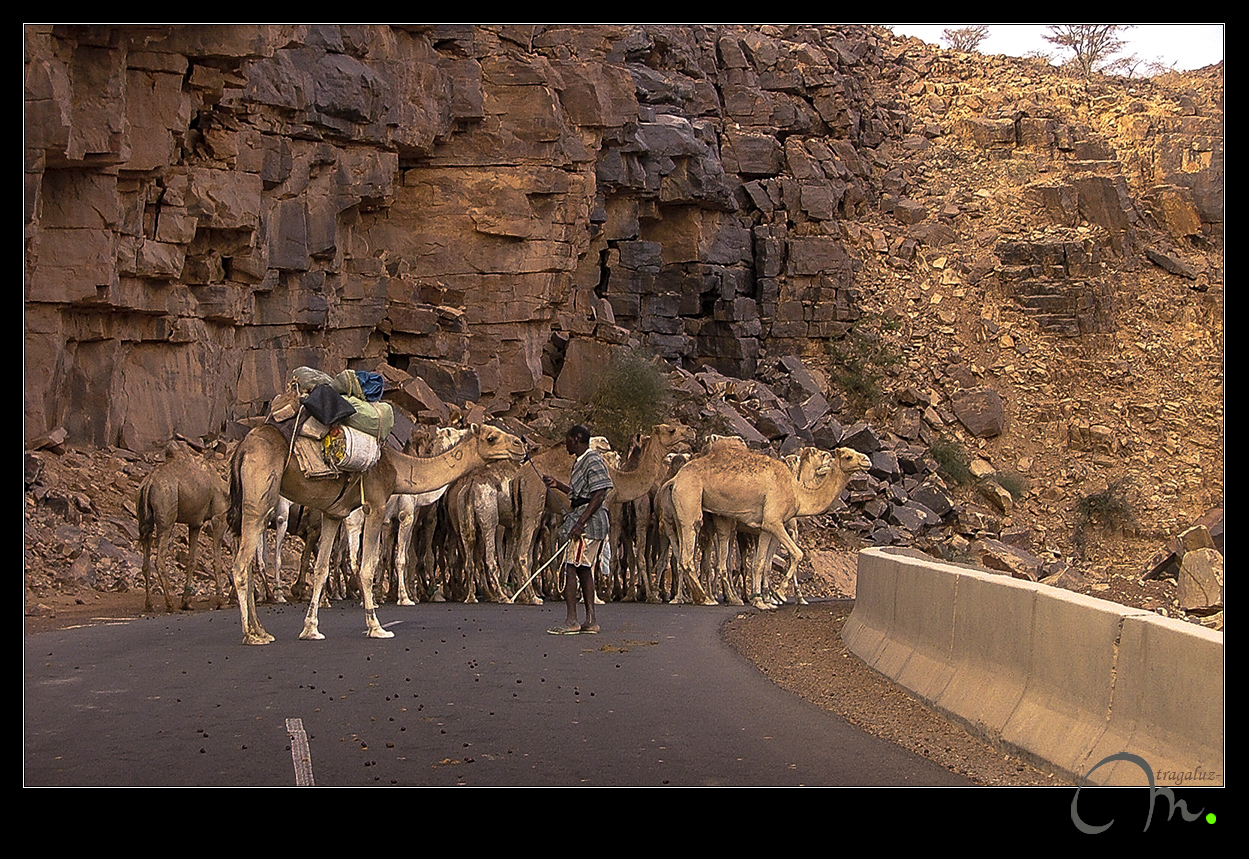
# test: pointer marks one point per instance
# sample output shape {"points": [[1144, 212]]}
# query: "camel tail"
{"points": [[147, 519], [234, 513]]}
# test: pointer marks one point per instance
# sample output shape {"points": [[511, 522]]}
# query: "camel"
{"points": [[759, 492], [533, 503], [261, 471], [806, 467], [403, 508], [481, 504], [666, 532], [280, 522], [633, 482], [183, 492]]}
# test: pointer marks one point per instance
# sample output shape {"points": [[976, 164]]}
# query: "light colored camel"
{"points": [[180, 491], [260, 472], [666, 538], [279, 520], [807, 467], [482, 506], [403, 509], [759, 492]]}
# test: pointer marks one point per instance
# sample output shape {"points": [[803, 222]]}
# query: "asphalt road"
{"points": [[462, 695]]}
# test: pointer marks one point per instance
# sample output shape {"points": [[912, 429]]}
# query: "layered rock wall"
{"points": [[210, 206], [207, 207]]}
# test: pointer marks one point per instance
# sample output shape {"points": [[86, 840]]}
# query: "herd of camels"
{"points": [[726, 487]]}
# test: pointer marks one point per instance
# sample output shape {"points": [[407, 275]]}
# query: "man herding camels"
{"points": [[585, 527]]}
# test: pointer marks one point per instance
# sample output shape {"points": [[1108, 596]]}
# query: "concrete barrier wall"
{"points": [[1060, 678]]}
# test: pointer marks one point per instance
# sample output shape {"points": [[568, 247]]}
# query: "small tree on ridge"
{"points": [[1092, 45], [966, 39]]}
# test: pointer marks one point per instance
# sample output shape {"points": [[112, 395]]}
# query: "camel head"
{"points": [[672, 436], [813, 466], [723, 443], [850, 461], [431, 441], [494, 443]]}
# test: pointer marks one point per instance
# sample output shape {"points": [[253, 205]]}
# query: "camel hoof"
{"points": [[380, 633], [311, 635], [258, 638], [708, 601], [406, 602]]}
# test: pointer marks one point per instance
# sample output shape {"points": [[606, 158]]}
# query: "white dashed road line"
{"points": [[301, 755]]}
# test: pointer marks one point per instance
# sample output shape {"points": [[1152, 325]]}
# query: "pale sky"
{"points": [[1190, 46]]}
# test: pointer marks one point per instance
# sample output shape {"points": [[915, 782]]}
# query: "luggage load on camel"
{"points": [[342, 420]]}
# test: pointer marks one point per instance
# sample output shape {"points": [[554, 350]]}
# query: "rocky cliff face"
{"points": [[208, 207]]}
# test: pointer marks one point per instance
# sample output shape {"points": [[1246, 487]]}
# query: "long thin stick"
{"points": [[538, 572]]}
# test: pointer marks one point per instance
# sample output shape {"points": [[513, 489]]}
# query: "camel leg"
{"points": [[372, 550], [795, 557], [321, 573], [282, 519], [792, 528], [663, 569], [219, 533], [147, 573], [641, 550], [253, 632], [192, 541], [162, 550], [762, 562], [353, 528], [687, 527], [468, 543], [725, 531], [407, 519], [665, 543], [490, 543], [620, 585], [261, 568], [433, 586]]}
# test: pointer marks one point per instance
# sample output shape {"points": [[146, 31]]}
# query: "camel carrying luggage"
{"points": [[338, 428]]}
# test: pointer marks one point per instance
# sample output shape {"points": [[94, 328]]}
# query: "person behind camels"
{"points": [[585, 527]]}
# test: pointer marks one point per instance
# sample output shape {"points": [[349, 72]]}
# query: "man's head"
{"points": [[577, 440]]}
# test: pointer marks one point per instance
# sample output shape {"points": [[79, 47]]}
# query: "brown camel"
{"points": [[758, 492], [183, 492], [533, 503], [260, 471], [634, 482]]}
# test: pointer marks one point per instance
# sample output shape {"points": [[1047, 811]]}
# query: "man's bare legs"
{"points": [[584, 575]]}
